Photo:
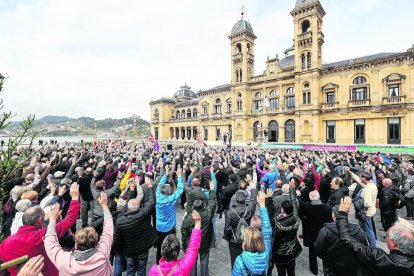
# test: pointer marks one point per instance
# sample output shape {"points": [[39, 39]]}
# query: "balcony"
{"points": [[393, 100], [273, 110], [155, 121], [305, 38], [289, 109], [257, 112], [250, 57], [333, 105], [204, 116], [360, 103], [216, 116], [237, 57], [227, 115]]}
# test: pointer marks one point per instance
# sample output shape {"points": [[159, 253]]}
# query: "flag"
{"points": [[94, 143], [143, 144], [151, 138], [156, 146], [111, 144]]}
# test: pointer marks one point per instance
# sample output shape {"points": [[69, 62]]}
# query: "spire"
{"points": [[242, 11]]}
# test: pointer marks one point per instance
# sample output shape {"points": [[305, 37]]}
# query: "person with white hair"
{"points": [[21, 207], [400, 242], [314, 215]]}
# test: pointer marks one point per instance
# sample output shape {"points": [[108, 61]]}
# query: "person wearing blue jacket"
{"points": [[256, 246], [271, 177], [165, 207]]}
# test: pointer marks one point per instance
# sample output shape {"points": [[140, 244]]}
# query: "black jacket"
{"points": [[84, 183], [337, 195], [388, 199], [207, 236], [235, 213], [314, 215], [394, 263], [286, 246], [134, 234], [336, 257], [325, 188], [228, 192]]}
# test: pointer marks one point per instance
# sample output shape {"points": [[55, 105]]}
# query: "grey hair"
{"points": [[32, 215], [272, 167], [23, 204], [404, 243], [166, 189], [314, 195], [285, 188], [132, 205]]}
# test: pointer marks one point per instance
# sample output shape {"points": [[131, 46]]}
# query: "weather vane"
{"points": [[242, 10]]}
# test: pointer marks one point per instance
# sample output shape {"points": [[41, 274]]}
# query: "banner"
{"points": [[328, 147]]}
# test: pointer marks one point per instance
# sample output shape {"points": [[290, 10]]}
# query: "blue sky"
{"points": [[102, 58]]}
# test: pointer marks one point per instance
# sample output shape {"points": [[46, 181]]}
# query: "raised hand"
{"points": [[346, 203], [261, 199], [103, 200], [54, 214], [74, 191], [62, 190]]}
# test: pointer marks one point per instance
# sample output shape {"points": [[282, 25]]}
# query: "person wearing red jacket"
{"points": [[29, 238]]}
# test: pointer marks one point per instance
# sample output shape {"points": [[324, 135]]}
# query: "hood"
{"points": [[256, 263]]}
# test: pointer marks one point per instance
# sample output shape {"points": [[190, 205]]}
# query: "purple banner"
{"points": [[332, 148]]}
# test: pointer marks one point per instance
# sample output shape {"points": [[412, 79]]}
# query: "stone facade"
{"points": [[298, 99]]}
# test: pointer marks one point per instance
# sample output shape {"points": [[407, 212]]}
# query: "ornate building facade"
{"points": [[298, 99]]}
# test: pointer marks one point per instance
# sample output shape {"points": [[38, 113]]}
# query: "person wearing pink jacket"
{"points": [[169, 264], [91, 256]]}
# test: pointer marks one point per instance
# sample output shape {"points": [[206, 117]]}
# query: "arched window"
{"points": [[217, 107], [306, 95], [183, 114], [256, 130], [248, 47], [290, 131], [273, 131], [309, 60], [359, 80], [360, 89], [290, 90], [239, 102], [189, 113], [258, 101], [238, 48], [156, 114], [177, 115], [273, 93], [229, 107], [195, 113], [305, 26]]}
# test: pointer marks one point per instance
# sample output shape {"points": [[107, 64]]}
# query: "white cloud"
{"points": [[104, 58]]}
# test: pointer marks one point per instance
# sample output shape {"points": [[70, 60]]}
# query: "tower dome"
{"points": [[184, 93], [241, 26]]}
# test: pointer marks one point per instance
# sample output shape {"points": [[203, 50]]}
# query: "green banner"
{"points": [[385, 150]]}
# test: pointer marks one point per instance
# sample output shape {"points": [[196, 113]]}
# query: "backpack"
{"points": [[241, 225]]}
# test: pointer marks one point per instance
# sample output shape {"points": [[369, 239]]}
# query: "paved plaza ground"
{"points": [[220, 257]]}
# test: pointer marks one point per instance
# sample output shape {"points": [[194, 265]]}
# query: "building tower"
{"points": [[308, 18], [242, 51]]}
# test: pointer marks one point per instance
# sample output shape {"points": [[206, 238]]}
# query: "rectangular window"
{"points": [[394, 131], [205, 133], [204, 110], [305, 98], [359, 94], [274, 103], [217, 109], [239, 105], [290, 102], [393, 90], [258, 104], [359, 132], [156, 133], [330, 131], [303, 62], [330, 97], [229, 107], [218, 133]]}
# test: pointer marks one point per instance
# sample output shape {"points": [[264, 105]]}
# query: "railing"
{"points": [[238, 56], [184, 120], [306, 35], [393, 100], [250, 56], [273, 110], [289, 108], [155, 121], [257, 111], [216, 115], [353, 103], [227, 115], [204, 116], [330, 105]]}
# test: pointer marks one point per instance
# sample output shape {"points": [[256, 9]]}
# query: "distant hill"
{"points": [[54, 119]]}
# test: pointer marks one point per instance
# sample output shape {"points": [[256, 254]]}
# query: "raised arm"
{"points": [[191, 253], [105, 241]]}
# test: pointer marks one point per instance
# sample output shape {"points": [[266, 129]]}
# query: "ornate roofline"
{"points": [[187, 103], [163, 100], [214, 90]]}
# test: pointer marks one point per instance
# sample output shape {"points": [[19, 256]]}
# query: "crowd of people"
{"points": [[99, 210]]}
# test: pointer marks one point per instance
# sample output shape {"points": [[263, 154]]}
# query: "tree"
{"points": [[17, 151]]}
